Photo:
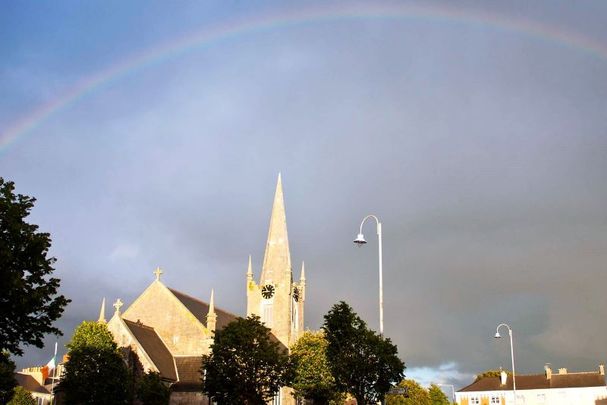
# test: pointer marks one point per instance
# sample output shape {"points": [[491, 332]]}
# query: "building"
{"points": [[169, 330], [38, 383], [562, 388]]}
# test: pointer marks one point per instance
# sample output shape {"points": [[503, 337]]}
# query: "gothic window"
{"points": [[295, 316]]}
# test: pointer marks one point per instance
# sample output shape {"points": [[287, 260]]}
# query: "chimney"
{"points": [[562, 370], [548, 371], [503, 377], [601, 369]]}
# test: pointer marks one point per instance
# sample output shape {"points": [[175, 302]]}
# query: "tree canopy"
{"points": [[7, 378], [246, 364], [21, 397], [151, 390], [437, 396], [96, 372], [416, 395], [29, 303], [363, 363], [313, 379], [491, 373]]}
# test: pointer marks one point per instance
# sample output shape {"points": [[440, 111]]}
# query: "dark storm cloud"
{"points": [[483, 152]]}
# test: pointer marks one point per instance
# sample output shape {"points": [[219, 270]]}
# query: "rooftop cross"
{"points": [[158, 272], [117, 305]]}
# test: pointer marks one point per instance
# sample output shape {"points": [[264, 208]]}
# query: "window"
{"points": [[475, 401], [541, 398], [276, 400], [495, 399], [267, 315]]}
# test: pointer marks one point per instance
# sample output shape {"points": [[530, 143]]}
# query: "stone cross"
{"points": [[158, 272], [117, 305]]}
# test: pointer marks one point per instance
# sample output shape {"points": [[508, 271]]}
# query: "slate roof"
{"points": [[154, 347], [188, 368], [29, 383], [200, 309], [538, 381]]}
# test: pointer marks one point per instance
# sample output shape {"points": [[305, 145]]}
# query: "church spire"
{"points": [[212, 316], [102, 312], [277, 257], [303, 272], [250, 270]]}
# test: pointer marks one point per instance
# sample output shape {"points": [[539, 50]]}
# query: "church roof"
{"points": [[538, 381], [200, 309], [154, 347], [30, 384], [188, 368]]}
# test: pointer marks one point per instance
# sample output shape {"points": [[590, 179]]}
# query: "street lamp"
{"points": [[360, 240], [497, 336]]}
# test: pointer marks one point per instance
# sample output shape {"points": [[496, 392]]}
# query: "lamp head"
{"points": [[360, 239], [497, 335]]}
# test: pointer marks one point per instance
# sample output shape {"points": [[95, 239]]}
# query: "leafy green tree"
{"points": [[246, 365], [96, 372], [151, 390], [416, 395], [22, 397], [491, 373], [7, 378], [437, 396], [313, 379], [362, 362], [29, 303]]}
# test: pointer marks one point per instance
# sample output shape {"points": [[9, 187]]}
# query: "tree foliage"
{"points": [[491, 373], [246, 365], [96, 372], [416, 395], [7, 378], [313, 379], [151, 390], [363, 363], [29, 303], [22, 397], [437, 396]]}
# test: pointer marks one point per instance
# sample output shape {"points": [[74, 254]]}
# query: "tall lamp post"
{"points": [[497, 336], [360, 240]]}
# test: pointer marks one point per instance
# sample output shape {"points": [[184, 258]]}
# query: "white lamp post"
{"points": [[497, 336], [360, 240]]}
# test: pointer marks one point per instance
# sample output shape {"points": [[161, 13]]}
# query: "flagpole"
{"points": [[54, 375]]}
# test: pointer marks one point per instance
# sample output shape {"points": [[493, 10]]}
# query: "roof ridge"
{"points": [[139, 323]]}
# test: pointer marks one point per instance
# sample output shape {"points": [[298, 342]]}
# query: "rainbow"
{"points": [[251, 25]]}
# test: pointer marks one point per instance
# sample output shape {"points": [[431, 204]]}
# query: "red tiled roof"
{"points": [[538, 381]]}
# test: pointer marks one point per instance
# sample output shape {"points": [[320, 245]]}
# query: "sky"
{"points": [[152, 134]]}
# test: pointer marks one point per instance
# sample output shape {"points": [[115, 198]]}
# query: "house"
{"points": [[562, 388]]}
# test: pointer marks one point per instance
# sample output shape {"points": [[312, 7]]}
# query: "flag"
{"points": [[50, 366]]}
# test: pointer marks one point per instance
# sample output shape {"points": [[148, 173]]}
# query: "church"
{"points": [[170, 330]]}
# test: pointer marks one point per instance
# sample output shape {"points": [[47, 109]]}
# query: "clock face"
{"points": [[296, 294], [267, 291]]}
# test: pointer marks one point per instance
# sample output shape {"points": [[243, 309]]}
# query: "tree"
{"points": [[363, 363], [437, 396], [29, 303], [151, 390], [491, 373], [7, 378], [313, 379], [22, 397], [416, 395], [246, 365], [96, 372]]}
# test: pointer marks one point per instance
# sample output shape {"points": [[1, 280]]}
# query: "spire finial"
{"points": [[102, 312], [212, 302], [250, 269], [303, 271], [212, 316], [118, 304], [158, 272]]}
